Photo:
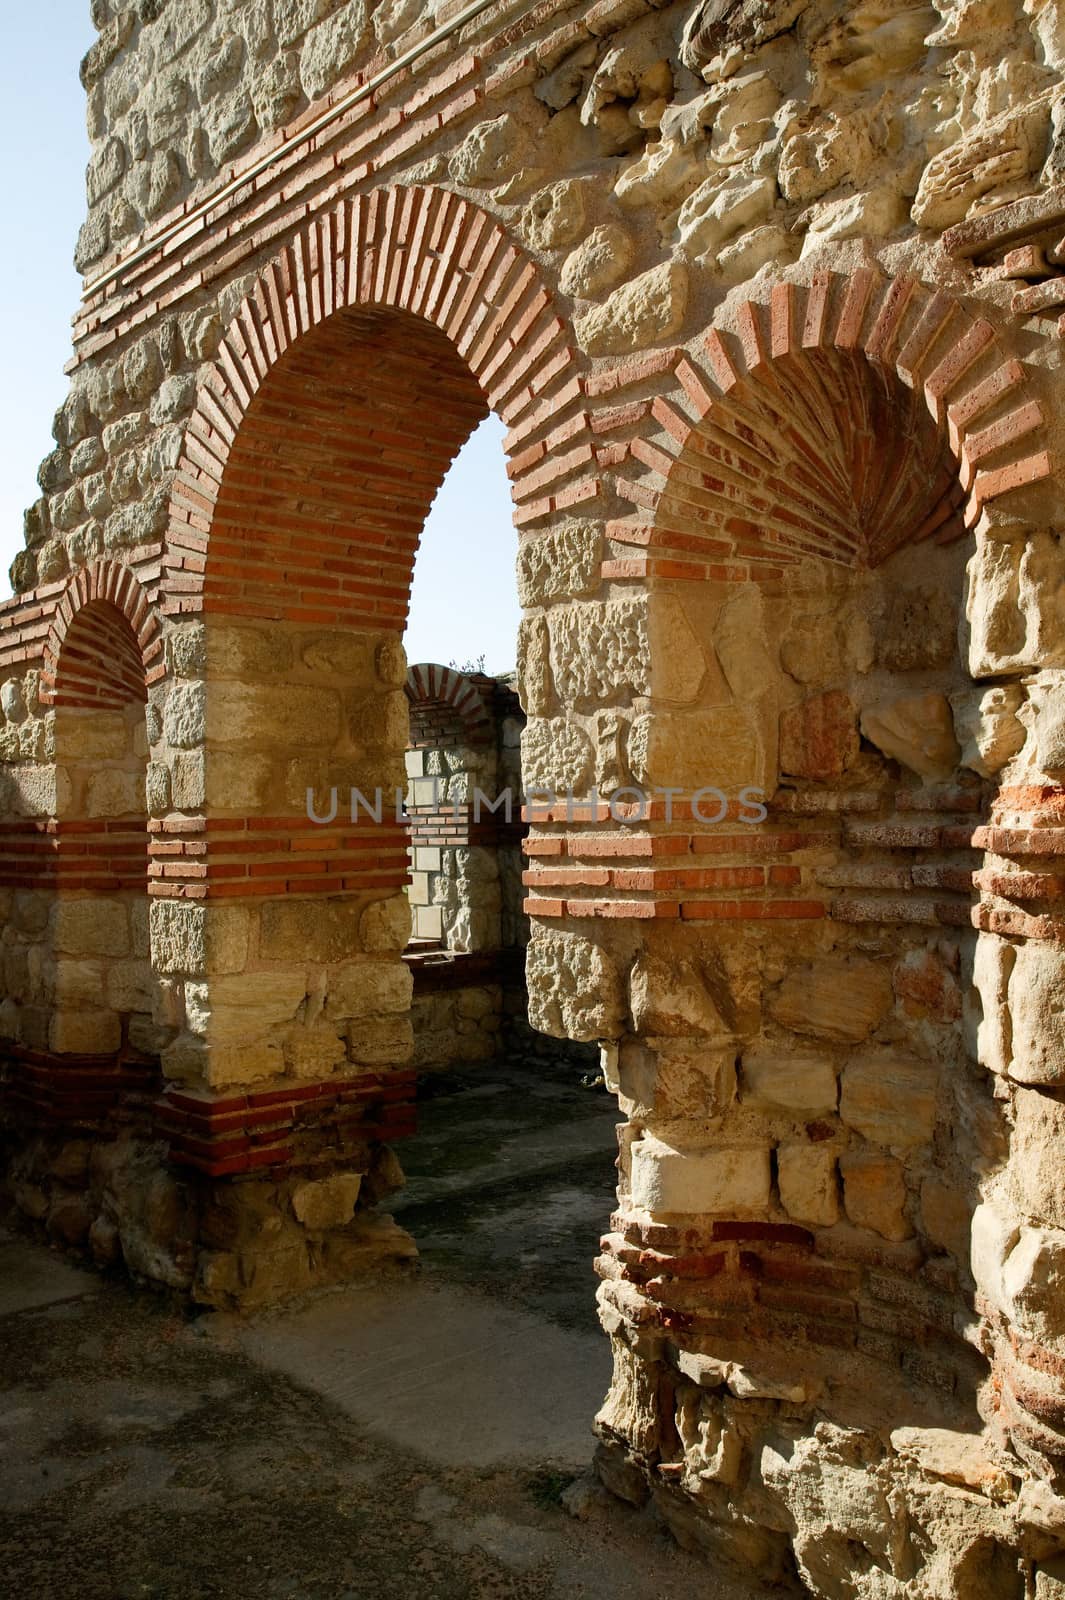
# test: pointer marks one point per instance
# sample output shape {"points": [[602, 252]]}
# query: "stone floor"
{"points": [[415, 1439]]}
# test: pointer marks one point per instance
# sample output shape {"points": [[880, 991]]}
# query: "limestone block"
{"points": [[73, 983], [598, 262], [185, 716], [1050, 1579], [838, 998], [330, 49], [556, 755], [198, 939], [1033, 1178], [190, 789], [312, 1049], [90, 928], [755, 249], [598, 652], [992, 964], [723, 205], [381, 1041], [668, 1181], [960, 1458], [560, 565], [245, 1005], [744, 105], [889, 1099], [368, 988], [490, 153], [819, 737], [93, 735], [809, 1188], [873, 214], [874, 1193], [252, 716], [647, 310], [917, 731], [995, 155], [723, 749], [129, 986], [309, 930], [112, 793], [678, 660], [945, 1217], [385, 925], [327, 1202], [800, 1086], [555, 216], [1036, 998], [992, 609], [669, 997], [84, 1032], [839, 147], [534, 666], [1033, 1285], [1043, 716], [230, 127], [987, 726], [575, 990]]}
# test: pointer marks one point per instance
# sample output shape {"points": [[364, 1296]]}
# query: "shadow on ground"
{"points": [[409, 1439]]}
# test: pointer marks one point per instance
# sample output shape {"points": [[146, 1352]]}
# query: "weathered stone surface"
{"points": [[917, 731], [1036, 1000], [327, 1202], [874, 1193], [560, 565], [808, 1183], [840, 998], [556, 756], [575, 991], [800, 1086], [598, 262], [671, 998], [645, 311], [987, 727], [889, 1100], [668, 1181], [819, 737]]}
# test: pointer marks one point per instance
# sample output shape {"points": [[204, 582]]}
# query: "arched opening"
{"points": [[102, 977]]}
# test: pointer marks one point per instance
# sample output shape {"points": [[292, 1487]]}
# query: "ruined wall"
{"points": [[767, 296]]}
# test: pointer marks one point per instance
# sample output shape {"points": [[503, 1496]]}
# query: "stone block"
{"points": [[839, 998], [246, 1005], [1036, 1006], [670, 998], [427, 858], [309, 930], [888, 1099], [197, 939], [113, 793], [369, 988], [666, 1180], [385, 925], [809, 1188], [84, 1032], [799, 1086], [90, 928], [327, 1202], [874, 1193], [917, 731], [276, 716], [575, 990], [819, 737]]}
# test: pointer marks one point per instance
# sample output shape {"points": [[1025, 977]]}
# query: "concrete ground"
{"points": [[410, 1439]]}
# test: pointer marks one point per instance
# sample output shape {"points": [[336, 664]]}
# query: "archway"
{"points": [[349, 380]]}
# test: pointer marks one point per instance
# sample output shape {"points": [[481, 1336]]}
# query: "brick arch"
{"points": [[104, 648], [424, 300], [768, 450], [432, 688]]}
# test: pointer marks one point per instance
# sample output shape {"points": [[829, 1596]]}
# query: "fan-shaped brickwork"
{"points": [[840, 422], [104, 647], [445, 702]]}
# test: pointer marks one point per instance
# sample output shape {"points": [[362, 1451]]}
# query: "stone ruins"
{"points": [[769, 295]]}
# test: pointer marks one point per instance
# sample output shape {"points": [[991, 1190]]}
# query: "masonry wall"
{"points": [[768, 299]]}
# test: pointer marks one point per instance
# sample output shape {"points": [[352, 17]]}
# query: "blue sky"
{"points": [[464, 602]]}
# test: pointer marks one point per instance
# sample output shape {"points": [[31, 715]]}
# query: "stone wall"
{"points": [[767, 296]]}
